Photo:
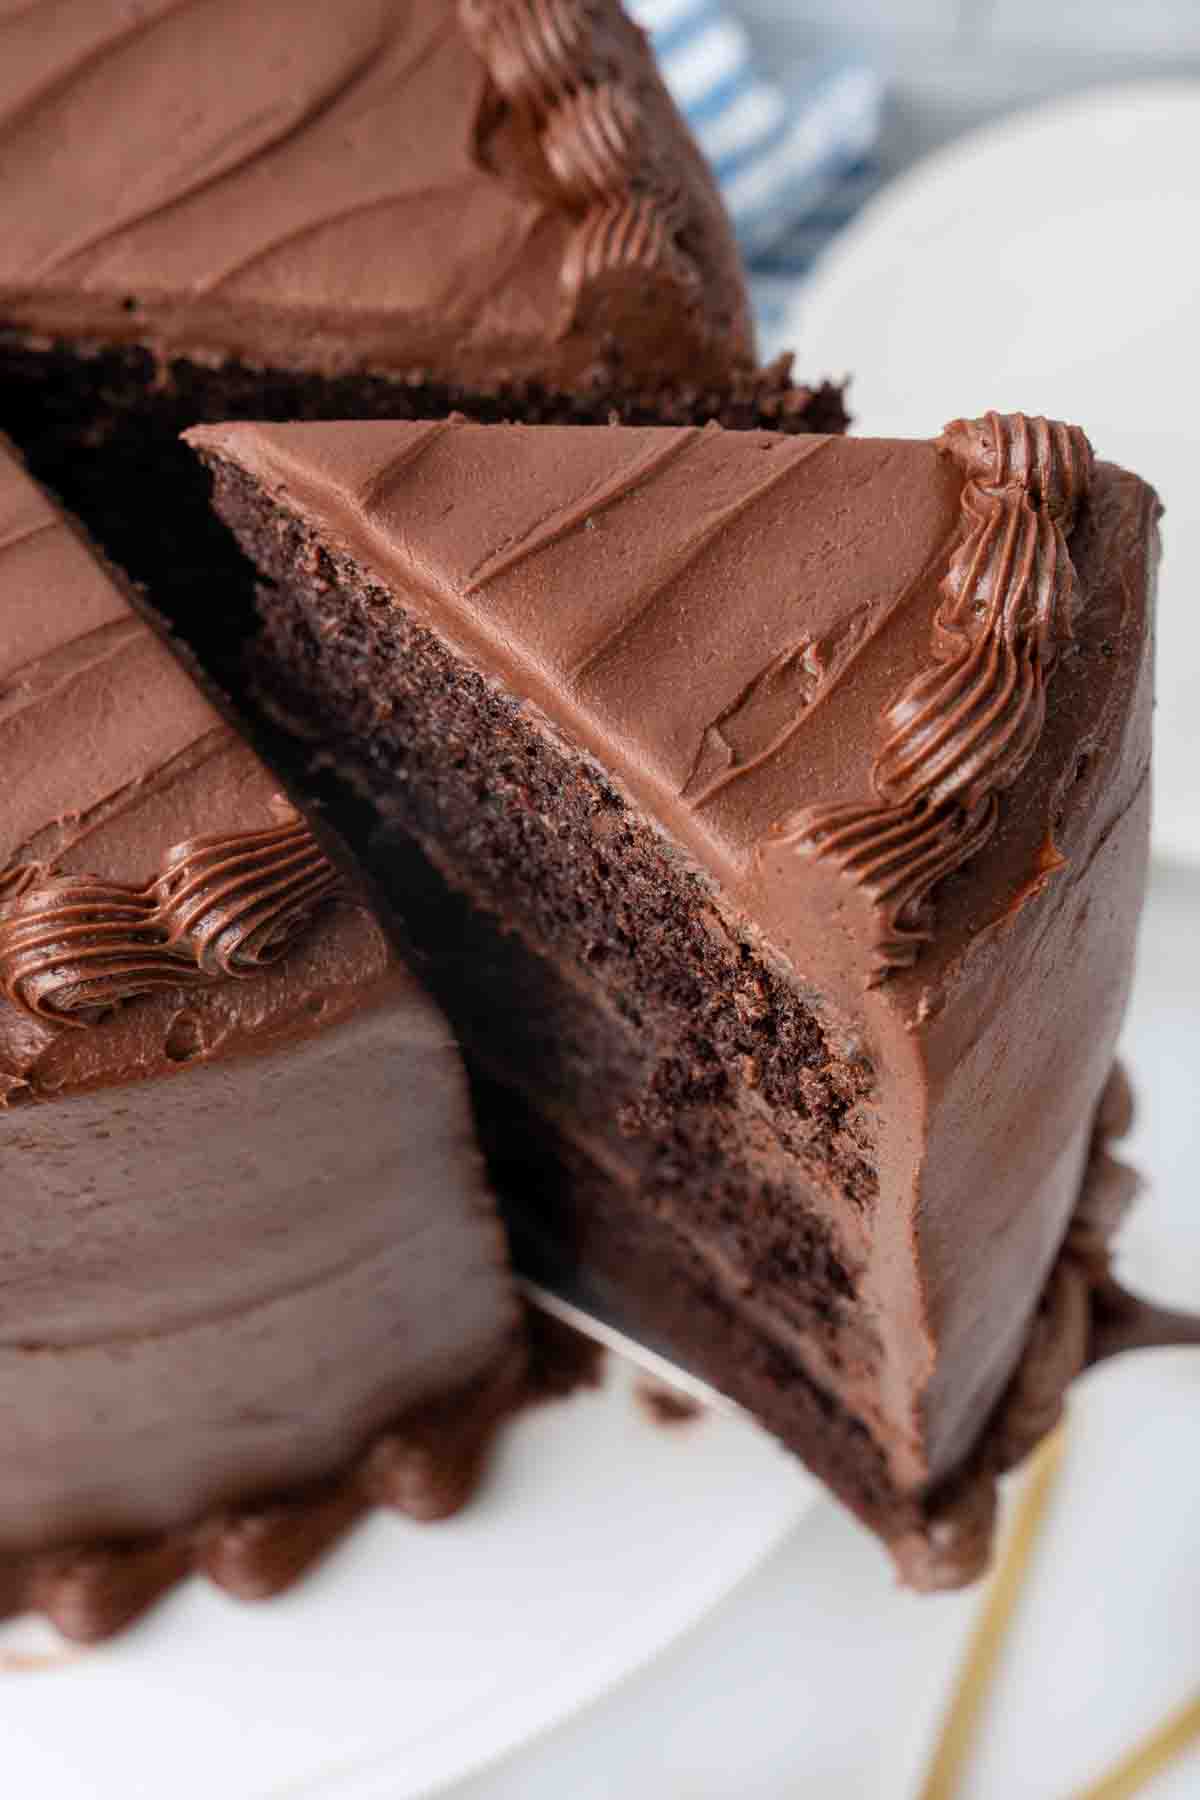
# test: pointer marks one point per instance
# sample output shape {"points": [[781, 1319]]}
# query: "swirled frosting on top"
{"points": [[144, 849], [598, 152], [731, 610], [221, 908], [962, 731]]}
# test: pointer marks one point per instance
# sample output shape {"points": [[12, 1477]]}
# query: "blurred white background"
{"points": [[953, 64]]}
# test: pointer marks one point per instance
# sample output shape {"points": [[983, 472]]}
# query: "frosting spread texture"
{"points": [[954, 1545]]}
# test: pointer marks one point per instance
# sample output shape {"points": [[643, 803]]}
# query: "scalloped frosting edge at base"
{"points": [[429, 1464], [426, 1466]]}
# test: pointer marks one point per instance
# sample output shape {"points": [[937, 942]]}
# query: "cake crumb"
{"points": [[665, 1405]]}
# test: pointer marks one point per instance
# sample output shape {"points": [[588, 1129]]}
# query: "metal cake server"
{"points": [[594, 1320]]}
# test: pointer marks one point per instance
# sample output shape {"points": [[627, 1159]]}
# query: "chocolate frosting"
{"points": [[426, 1468], [965, 727], [223, 908], [723, 620], [246, 1236], [481, 193]]}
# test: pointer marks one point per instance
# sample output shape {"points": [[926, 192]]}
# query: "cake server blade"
{"points": [[595, 1319]]}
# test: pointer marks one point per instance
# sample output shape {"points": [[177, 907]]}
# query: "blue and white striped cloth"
{"points": [[793, 165]]}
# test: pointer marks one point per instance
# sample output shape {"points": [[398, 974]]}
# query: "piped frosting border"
{"points": [[222, 908], [961, 732]]}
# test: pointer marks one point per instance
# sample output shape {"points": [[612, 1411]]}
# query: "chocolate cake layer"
{"points": [[772, 814], [246, 1233]]}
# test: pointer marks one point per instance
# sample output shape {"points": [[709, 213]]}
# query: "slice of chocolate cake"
{"points": [[772, 816], [253, 1279]]}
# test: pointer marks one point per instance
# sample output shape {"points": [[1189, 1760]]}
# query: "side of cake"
{"points": [[254, 1279], [771, 815]]}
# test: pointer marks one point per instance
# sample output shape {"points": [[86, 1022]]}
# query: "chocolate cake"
{"points": [[383, 208], [253, 1274], [771, 816]]}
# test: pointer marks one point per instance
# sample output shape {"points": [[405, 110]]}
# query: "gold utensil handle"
{"points": [[1179, 1731], [960, 1723]]}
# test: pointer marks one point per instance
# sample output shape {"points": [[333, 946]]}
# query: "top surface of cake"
{"points": [[871, 721], [486, 192]]}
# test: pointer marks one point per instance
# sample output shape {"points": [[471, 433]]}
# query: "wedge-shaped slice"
{"points": [[771, 813]]}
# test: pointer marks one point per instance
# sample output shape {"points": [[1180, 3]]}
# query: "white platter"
{"points": [[417, 1653], [1050, 263]]}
